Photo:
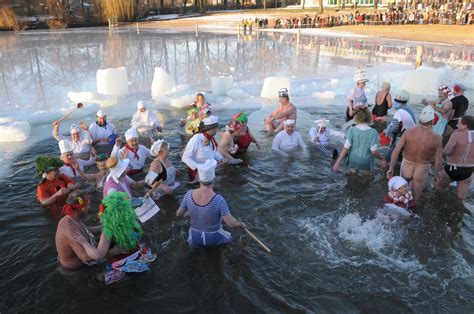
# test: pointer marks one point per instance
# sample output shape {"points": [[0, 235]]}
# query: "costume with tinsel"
{"points": [[120, 225], [401, 200]]}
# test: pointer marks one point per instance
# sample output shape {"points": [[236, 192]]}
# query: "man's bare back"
{"points": [[421, 144], [71, 254]]}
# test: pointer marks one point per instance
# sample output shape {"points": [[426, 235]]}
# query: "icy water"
{"points": [[329, 253]]}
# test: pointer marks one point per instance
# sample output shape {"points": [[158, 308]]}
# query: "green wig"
{"points": [[119, 221], [47, 163]]}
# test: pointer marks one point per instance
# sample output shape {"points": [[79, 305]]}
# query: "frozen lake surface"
{"points": [[329, 252]]}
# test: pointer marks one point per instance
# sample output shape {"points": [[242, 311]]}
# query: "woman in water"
{"points": [[161, 177], [383, 102], [442, 107], [459, 154], [117, 180], [356, 97], [206, 210], [361, 144]]}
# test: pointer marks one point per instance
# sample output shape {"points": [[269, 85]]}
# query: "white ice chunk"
{"points": [[237, 93], [162, 83], [334, 82], [112, 82], [327, 95], [14, 131], [88, 97], [181, 102], [221, 84], [273, 84]]}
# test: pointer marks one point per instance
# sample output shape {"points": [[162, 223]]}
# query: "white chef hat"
{"points": [[100, 113], [65, 147], [289, 122], [211, 120], [74, 129], [155, 148], [396, 182], [427, 114], [131, 133], [141, 105], [206, 170]]}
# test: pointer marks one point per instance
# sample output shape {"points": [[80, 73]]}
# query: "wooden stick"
{"points": [[79, 106], [257, 240]]}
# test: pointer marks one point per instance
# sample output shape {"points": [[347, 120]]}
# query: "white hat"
{"points": [[100, 113], [155, 148], [141, 105], [65, 147], [289, 122], [211, 120], [360, 75], [74, 129], [396, 182], [402, 95], [119, 168], [206, 170], [131, 133], [427, 114], [322, 122]]}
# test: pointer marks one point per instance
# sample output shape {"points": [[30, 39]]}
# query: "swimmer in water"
{"points": [[399, 193], [98, 179], [227, 147], [286, 111]]}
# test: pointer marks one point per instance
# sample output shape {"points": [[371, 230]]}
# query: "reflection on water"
{"points": [[329, 253], [39, 70]]}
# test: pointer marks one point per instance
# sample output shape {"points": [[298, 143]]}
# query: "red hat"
{"points": [[78, 203]]}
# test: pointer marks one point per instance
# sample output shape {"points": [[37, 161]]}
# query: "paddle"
{"points": [[78, 106], [257, 240]]}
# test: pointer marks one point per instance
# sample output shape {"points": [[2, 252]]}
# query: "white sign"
{"points": [[147, 210]]}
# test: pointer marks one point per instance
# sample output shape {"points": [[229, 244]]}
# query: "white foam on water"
{"points": [[334, 82], [90, 97], [272, 84], [221, 85], [162, 83], [343, 241], [112, 81]]}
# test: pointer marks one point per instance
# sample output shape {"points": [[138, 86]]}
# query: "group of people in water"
{"points": [[122, 171]]}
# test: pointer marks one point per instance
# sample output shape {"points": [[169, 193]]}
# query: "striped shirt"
{"points": [[206, 218]]}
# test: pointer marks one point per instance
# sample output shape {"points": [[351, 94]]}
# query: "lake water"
{"points": [[329, 253]]}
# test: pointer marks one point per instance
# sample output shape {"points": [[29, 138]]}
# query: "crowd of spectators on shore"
{"points": [[449, 14]]}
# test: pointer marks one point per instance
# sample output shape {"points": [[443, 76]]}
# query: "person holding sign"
{"points": [[206, 210]]}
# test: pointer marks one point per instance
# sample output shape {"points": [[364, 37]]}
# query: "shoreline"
{"points": [[456, 35]]}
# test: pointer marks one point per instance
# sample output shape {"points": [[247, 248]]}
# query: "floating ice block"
{"points": [[221, 84], [162, 83], [112, 82], [237, 93], [425, 80], [327, 95], [273, 84], [14, 131], [182, 102]]}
